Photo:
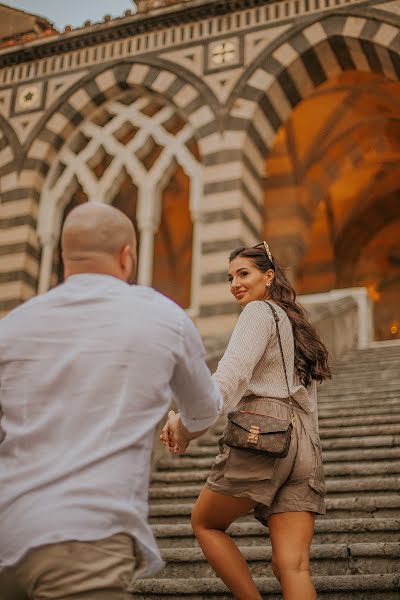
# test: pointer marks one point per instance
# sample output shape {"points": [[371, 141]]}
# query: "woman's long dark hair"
{"points": [[310, 354]]}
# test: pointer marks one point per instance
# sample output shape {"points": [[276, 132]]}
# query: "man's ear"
{"points": [[65, 265], [128, 263], [125, 260]]}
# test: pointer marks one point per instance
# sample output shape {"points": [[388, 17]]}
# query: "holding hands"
{"points": [[173, 434]]}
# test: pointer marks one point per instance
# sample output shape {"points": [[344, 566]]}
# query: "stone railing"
{"points": [[343, 318]]}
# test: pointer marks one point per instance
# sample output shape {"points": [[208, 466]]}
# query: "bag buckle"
{"points": [[253, 434]]}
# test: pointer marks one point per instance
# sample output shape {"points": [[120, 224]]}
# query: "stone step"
{"points": [[370, 373], [356, 378], [347, 424], [327, 559], [378, 352], [355, 399], [376, 367], [347, 394], [359, 431], [382, 381], [367, 365], [355, 420], [335, 487], [335, 484], [326, 531], [334, 587], [350, 433], [186, 475], [374, 362], [383, 405], [332, 411], [324, 414], [370, 441], [376, 379], [347, 507], [328, 455], [360, 359], [341, 468]]}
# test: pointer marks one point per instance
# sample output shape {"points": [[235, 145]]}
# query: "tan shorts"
{"points": [[294, 483], [99, 570]]}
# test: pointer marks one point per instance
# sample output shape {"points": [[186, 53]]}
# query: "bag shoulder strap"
{"points": [[276, 317]]}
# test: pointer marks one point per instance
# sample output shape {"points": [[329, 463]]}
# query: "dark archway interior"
{"points": [[333, 175]]}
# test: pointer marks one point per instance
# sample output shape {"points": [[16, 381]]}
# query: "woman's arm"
{"points": [[246, 347]]}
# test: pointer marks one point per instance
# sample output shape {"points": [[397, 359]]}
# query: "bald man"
{"points": [[87, 371]]}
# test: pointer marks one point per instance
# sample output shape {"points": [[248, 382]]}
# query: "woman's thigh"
{"points": [[291, 535], [217, 511]]}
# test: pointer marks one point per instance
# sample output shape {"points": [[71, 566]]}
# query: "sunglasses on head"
{"points": [[267, 250]]}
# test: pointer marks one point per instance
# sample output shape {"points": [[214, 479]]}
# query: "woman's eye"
{"points": [[243, 274]]}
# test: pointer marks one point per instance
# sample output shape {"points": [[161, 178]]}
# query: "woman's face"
{"points": [[247, 282]]}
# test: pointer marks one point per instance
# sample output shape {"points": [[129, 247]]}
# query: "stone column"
{"points": [[231, 216], [18, 239], [148, 220], [48, 243]]}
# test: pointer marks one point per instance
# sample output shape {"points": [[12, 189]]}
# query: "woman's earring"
{"points": [[268, 284]]}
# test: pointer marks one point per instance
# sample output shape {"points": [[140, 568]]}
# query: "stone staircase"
{"points": [[356, 548]]}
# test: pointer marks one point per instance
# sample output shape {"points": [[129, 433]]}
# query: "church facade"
{"points": [[212, 125]]}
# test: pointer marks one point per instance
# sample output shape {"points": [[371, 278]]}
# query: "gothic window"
{"points": [[140, 155]]}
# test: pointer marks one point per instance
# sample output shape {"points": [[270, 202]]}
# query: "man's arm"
{"points": [[197, 396]]}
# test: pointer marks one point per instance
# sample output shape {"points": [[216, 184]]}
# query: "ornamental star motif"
{"points": [[28, 97]]}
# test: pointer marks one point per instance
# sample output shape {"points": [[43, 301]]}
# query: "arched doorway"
{"points": [[335, 163]]}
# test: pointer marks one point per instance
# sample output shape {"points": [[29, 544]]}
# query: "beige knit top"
{"points": [[252, 362]]}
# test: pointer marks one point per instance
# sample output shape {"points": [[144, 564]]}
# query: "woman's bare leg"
{"points": [[211, 516], [291, 535]]}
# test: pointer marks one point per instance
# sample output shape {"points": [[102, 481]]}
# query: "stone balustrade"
{"points": [[343, 318]]}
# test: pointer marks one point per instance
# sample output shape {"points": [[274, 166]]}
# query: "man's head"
{"points": [[97, 238]]}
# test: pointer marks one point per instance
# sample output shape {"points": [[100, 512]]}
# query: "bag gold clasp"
{"points": [[253, 434]]}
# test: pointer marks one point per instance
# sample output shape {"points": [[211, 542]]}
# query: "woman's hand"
{"points": [[172, 435]]}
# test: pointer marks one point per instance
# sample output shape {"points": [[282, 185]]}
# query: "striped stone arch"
{"points": [[89, 94], [80, 102], [23, 174], [294, 66]]}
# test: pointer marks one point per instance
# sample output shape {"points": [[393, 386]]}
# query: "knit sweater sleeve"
{"points": [[246, 347]]}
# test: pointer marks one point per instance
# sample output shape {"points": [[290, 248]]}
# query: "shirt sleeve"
{"points": [[246, 347], [197, 396]]}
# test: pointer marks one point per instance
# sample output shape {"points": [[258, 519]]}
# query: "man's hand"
{"points": [[173, 434]]}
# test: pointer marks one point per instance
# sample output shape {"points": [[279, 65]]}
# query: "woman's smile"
{"points": [[247, 282]]}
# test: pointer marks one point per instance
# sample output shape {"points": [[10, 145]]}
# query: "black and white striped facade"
{"points": [[234, 71]]}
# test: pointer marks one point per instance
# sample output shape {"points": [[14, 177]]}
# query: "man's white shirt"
{"points": [[87, 371]]}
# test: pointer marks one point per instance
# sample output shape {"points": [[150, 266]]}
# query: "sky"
{"points": [[73, 12]]}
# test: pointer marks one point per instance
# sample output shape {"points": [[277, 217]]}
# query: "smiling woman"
{"points": [[268, 371]]}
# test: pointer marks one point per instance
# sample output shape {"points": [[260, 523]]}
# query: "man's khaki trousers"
{"points": [[99, 570]]}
